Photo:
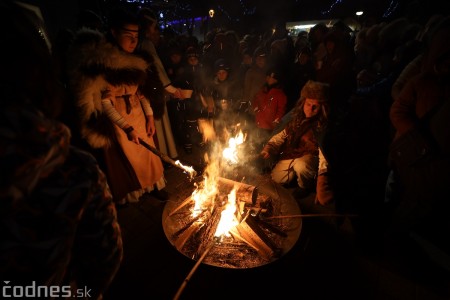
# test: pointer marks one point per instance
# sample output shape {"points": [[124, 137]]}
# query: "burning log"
{"points": [[184, 203], [185, 227], [182, 235], [250, 232], [244, 192], [186, 234], [198, 234]]}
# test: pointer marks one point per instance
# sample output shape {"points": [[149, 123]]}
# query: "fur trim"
{"points": [[315, 90], [93, 64]]}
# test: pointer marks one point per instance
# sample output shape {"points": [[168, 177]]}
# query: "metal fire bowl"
{"points": [[229, 253]]}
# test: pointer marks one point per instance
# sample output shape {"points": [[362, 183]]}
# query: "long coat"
{"points": [[424, 103]]}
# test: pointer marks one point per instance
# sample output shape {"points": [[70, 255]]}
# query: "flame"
{"points": [[206, 129], [204, 197], [206, 192], [231, 152], [190, 170], [227, 217]]}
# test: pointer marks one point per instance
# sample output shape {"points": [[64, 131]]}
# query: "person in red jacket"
{"points": [[269, 105]]}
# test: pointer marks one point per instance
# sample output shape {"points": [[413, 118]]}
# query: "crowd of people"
{"points": [[329, 107]]}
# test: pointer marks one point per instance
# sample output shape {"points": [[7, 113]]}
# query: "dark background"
{"points": [[249, 15]]}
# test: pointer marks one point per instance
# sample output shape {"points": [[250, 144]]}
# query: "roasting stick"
{"points": [[191, 273], [311, 215], [192, 173]]}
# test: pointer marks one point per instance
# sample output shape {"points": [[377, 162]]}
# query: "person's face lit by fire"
{"points": [[222, 75], [175, 58], [127, 37], [311, 107], [271, 80], [260, 61], [193, 60]]}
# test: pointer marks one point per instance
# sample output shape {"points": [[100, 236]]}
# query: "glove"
{"points": [[324, 192]]}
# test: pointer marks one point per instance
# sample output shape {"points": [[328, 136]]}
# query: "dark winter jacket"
{"points": [[58, 222]]}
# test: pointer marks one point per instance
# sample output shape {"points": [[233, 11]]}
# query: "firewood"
{"points": [[271, 227], [186, 234], [188, 224], [252, 234], [206, 234], [186, 201], [245, 192], [235, 233]]}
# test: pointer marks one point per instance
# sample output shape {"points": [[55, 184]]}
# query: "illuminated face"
{"points": [[175, 58], [260, 61], [247, 59], [127, 37], [311, 107], [193, 60], [271, 80], [222, 75]]}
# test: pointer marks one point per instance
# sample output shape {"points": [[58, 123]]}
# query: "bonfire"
{"points": [[237, 224]]}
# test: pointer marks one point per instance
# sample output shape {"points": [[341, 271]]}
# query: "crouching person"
{"points": [[296, 148]]}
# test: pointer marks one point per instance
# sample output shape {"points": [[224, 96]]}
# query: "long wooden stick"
{"points": [[164, 157], [311, 215], [191, 273]]}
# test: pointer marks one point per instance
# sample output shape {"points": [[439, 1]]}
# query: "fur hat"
{"points": [[316, 90]]}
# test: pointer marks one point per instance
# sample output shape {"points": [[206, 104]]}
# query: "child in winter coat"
{"points": [[297, 146]]}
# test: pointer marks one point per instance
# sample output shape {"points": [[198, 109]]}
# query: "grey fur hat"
{"points": [[316, 90]]}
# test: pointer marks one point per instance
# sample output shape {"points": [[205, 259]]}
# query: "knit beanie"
{"points": [[221, 64], [316, 90], [192, 52]]}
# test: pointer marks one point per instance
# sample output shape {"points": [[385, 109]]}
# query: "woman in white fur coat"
{"points": [[105, 77]]}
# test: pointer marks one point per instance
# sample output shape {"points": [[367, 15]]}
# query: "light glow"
{"points": [[227, 217]]}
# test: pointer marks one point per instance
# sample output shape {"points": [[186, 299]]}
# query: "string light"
{"points": [[392, 7], [331, 7]]}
